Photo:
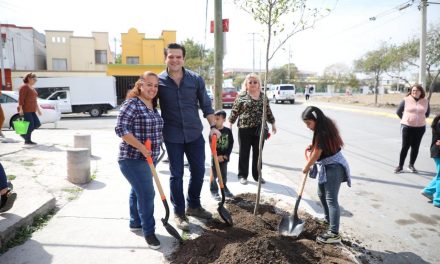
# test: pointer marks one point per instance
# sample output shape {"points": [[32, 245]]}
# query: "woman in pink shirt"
{"points": [[413, 111]]}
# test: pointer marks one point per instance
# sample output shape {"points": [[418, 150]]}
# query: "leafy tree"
{"points": [[118, 59], [374, 62], [336, 74], [282, 19], [199, 59], [406, 57]]}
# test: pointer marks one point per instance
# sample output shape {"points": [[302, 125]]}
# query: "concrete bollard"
{"points": [[83, 141], [78, 165]]}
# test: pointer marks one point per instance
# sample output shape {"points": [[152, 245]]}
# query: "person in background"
{"points": [[432, 190], [139, 120], [224, 148], [8, 196], [248, 109], [332, 168], [181, 92], [413, 111], [28, 106]]}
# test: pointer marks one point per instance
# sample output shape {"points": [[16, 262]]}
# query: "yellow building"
{"points": [[139, 54], [65, 52]]}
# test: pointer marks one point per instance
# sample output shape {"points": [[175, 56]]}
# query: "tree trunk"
{"points": [[263, 118]]}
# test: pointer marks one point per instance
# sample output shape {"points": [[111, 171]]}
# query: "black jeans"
{"points": [[246, 140], [34, 123], [224, 171], [411, 137]]}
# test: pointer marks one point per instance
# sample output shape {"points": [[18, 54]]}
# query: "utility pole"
{"points": [[422, 73], [253, 51], [218, 54], [288, 68], [115, 50], [2, 65]]}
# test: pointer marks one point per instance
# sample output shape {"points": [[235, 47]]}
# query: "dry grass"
{"points": [[384, 100]]}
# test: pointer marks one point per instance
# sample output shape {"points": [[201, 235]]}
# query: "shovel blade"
{"points": [[291, 226], [172, 231], [225, 215]]}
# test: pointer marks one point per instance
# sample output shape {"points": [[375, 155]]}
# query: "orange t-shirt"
{"points": [[27, 98]]}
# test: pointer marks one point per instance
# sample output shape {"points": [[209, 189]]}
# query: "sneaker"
{"points": [[135, 228], [7, 201], [426, 195], [181, 222], [215, 196], [199, 212], [322, 221], [412, 169], [243, 181], [30, 143], [228, 193], [152, 241], [329, 238], [262, 181], [398, 169]]}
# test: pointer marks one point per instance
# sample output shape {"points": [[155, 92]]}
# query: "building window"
{"points": [[59, 64], [132, 60], [54, 40], [63, 39], [100, 56]]}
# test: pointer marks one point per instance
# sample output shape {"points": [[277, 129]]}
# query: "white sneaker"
{"points": [[243, 181]]}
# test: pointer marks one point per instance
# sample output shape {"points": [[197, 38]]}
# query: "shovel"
{"points": [[224, 214], [291, 225], [170, 229]]}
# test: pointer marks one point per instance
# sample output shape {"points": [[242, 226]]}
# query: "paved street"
{"points": [[382, 210]]}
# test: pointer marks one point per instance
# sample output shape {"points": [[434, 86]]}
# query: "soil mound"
{"points": [[256, 240]]}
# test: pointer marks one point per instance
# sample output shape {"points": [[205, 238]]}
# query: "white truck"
{"points": [[93, 95]]}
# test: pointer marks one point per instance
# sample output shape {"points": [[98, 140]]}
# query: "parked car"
{"points": [[282, 93], [228, 96], [9, 101]]}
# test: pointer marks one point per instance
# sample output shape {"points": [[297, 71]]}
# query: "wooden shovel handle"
{"points": [[214, 156], [153, 171]]}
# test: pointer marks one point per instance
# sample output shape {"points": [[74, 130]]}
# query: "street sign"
{"points": [[225, 24]]}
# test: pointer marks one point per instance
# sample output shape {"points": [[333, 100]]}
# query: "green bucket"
{"points": [[21, 126]]}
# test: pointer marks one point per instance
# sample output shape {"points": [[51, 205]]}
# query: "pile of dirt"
{"points": [[255, 239]]}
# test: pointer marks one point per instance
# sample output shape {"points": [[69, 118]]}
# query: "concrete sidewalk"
{"points": [[94, 227]]}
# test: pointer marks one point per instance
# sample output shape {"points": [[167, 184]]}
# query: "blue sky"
{"points": [[341, 37]]}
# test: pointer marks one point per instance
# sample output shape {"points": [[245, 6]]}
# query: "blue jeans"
{"points": [[433, 187], [195, 153], [138, 174], [34, 123], [3, 179], [328, 194]]}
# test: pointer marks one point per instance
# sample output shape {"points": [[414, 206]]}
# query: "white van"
{"points": [[283, 93]]}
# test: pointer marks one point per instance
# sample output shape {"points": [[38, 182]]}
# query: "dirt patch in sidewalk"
{"points": [[256, 240]]}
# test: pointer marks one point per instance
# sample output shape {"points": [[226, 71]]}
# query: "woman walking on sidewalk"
{"points": [[332, 168], [27, 106], [139, 120], [432, 190], [413, 111]]}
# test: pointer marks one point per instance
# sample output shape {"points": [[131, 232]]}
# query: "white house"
{"points": [[25, 48]]}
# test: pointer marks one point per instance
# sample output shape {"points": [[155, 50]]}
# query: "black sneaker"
{"points": [[30, 143], [228, 193], [199, 212], [152, 241], [215, 196], [412, 169], [7, 201], [329, 238], [398, 169]]}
